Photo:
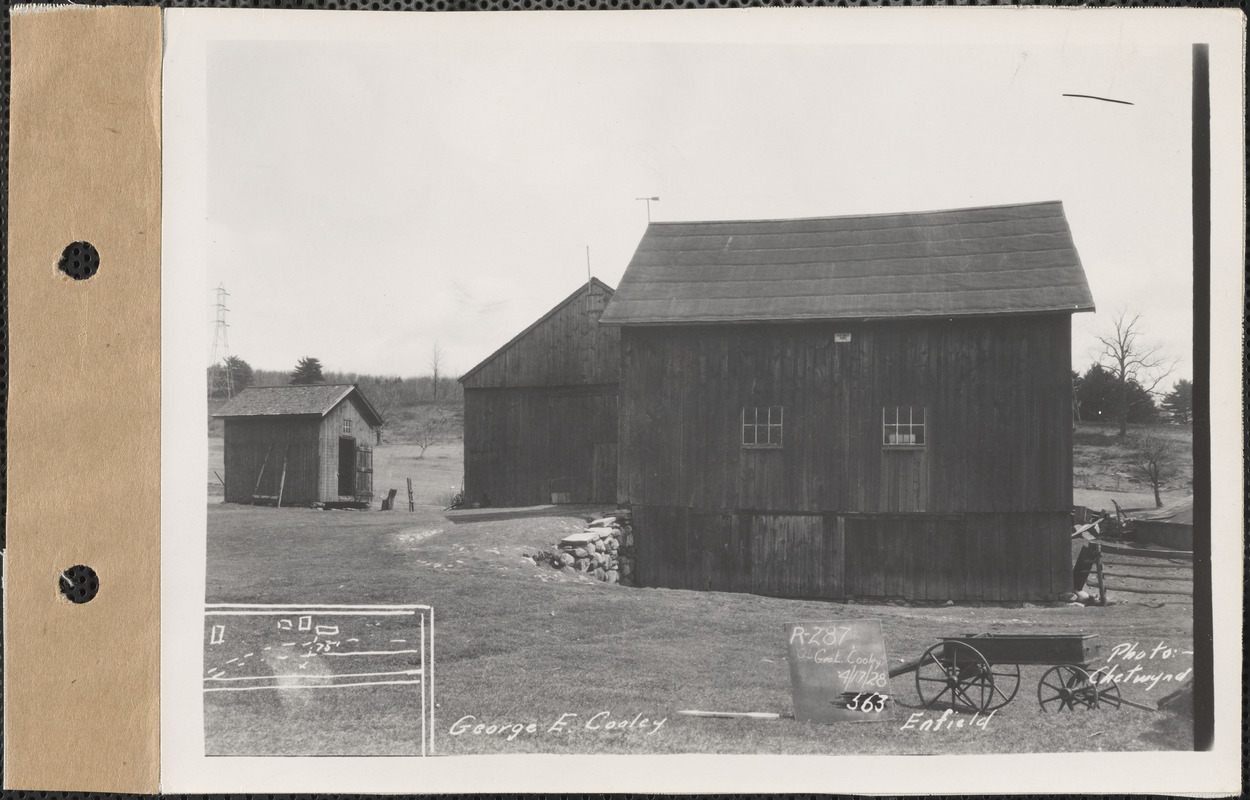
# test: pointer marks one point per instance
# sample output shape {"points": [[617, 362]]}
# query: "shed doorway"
{"points": [[347, 466]]}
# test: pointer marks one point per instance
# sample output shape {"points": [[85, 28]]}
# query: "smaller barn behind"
{"points": [[300, 446], [540, 419]]}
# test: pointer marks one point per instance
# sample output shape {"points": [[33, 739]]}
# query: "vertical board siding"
{"points": [[521, 445], [993, 557], [331, 430], [566, 347], [309, 445], [251, 443], [981, 512], [996, 394], [795, 556], [771, 554], [540, 415]]}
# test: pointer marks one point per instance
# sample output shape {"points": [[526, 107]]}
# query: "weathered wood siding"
{"points": [[250, 443], [522, 445], [981, 511], [540, 415], [997, 396], [568, 347], [997, 557], [994, 557], [331, 430]]}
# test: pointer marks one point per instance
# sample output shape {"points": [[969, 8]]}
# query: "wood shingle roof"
{"points": [[316, 399], [973, 261]]}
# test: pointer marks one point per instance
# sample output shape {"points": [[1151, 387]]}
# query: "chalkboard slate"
{"points": [[838, 671]]}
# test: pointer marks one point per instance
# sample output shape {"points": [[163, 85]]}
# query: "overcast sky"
{"points": [[367, 199]]}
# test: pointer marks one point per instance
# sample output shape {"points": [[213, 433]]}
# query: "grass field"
{"points": [[518, 643], [523, 645], [1102, 466]]}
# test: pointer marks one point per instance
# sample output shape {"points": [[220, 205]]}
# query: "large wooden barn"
{"points": [[866, 406], [540, 412], [300, 446]]}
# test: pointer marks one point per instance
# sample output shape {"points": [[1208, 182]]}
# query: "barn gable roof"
{"points": [[608, 291], [316, 400], [972, 261]]}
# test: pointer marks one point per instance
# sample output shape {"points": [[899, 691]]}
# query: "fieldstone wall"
{"points": [[603, 550]]}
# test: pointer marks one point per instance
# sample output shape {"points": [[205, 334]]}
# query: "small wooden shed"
{"points": [[540, 419], [866, 406], [300, 445]]}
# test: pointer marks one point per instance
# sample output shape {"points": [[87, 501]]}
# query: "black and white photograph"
{"points": [[689, 384]]}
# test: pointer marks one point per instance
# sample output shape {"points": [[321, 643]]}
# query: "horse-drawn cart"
{"points": [[981, 672]]}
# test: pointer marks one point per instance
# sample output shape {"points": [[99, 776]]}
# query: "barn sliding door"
{"points": [[796, 555]]}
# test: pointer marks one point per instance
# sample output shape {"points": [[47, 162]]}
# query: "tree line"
{"points": [[426, 420], [1097, 395], [1125, 377], [392, 390]]}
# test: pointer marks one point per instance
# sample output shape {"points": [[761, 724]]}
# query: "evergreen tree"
{"points": [[307, 371], [241, 374], [1179, 403], [1100, 394]]}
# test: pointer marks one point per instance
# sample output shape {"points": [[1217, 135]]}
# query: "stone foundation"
{"points": [[603, 550]]}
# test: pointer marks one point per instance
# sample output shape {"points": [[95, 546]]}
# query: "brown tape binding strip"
{"points": [[82, 683]]}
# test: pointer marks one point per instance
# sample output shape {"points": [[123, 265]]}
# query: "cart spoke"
{"points": [[967, 699], [945, 672], [1066, 687]]}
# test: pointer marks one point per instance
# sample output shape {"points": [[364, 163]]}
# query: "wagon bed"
{"points": [[981, 672], [1033, 648]]}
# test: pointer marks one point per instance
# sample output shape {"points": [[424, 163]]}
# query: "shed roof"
{"points": [[971, 261], [1180, 514], [315, 400]]}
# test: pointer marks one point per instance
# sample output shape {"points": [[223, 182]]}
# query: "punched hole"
{"points": [[79, 260], [79, 584]]}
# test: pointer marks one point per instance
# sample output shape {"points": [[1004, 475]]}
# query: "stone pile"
{"points": [[603, 550]]}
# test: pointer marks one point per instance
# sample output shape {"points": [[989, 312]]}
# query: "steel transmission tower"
{"points": [[221, 380]]}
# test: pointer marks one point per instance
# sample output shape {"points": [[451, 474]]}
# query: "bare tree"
{"points": [[384, 395], [1154, 461], [436, 358], [1131, 360], [433, 426]]}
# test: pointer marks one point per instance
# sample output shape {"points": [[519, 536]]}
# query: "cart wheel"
{"points": [[1108, 689], [1006, 684], [956, 674], [1066, 687]]}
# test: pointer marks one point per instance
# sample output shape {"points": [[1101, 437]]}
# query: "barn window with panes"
{"points": [[761, 426], [347, 427], [902, 426]]}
